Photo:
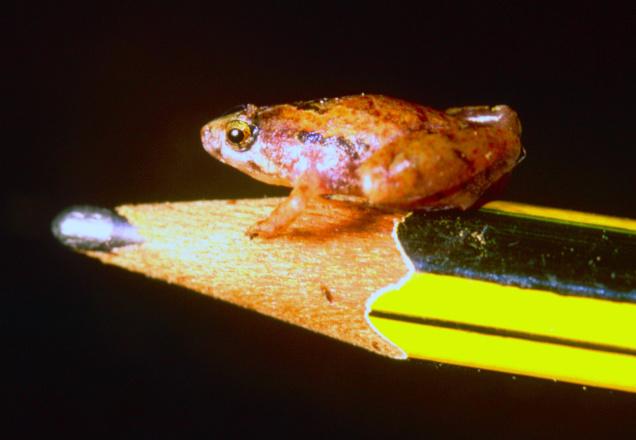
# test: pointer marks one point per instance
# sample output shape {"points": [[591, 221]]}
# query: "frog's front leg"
{"points": [[308, 186]]}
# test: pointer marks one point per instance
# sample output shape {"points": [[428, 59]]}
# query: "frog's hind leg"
{"points": [[432, 170], [411, 168], [473, 193]]}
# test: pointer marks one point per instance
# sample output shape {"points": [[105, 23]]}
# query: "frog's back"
{"points": [[341, 132], [381, 116]]}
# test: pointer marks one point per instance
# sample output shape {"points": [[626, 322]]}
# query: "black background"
{"points": [[106, 109]]}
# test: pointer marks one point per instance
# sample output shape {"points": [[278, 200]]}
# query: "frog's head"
{"points": [[234, 139]]}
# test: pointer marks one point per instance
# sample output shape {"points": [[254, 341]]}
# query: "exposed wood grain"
{"points": [[318, 275]]}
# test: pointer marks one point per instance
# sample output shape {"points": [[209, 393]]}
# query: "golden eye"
{"points": [[240, 134]]}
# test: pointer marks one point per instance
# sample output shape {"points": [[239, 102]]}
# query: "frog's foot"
{"points": [[273, 225], [264, 228]]}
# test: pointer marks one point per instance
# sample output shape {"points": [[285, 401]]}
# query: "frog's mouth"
{"points": [[253, 169]]}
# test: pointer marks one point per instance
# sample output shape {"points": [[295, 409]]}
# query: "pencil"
{"points": [[509, 287]]}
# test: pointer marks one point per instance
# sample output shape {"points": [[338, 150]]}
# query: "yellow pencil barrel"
{"points": [[519, 289]]}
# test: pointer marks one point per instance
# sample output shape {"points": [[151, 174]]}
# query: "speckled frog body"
{"points": [[386, 151]]}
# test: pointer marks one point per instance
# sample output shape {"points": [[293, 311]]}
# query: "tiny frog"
{"points": [[387, 152]]}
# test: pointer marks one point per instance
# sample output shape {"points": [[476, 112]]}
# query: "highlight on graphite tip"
{"points": [[90, 228]]}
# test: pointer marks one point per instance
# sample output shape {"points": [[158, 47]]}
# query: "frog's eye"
{"points": [[240, 135]]}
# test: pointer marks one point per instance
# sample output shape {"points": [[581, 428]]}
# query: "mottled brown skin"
{"points": [[388, 152]]}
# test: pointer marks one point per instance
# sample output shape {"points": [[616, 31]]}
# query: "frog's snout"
{"points": [[202, 134], [209, 141]]}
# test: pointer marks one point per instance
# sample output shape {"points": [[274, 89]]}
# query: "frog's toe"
{"points": [[263, 229], [253, 231]]}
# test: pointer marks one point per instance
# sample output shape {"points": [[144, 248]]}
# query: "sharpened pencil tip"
{"points": [[91, 228]]}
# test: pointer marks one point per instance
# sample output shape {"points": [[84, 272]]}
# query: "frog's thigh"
{"points": [[415, 167], [392, 174]]}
